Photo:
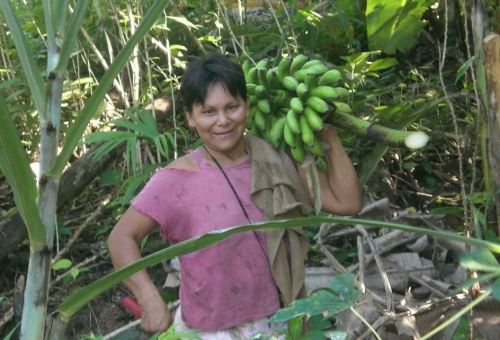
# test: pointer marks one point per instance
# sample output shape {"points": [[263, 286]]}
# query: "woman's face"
{"points": [[220, 122]]}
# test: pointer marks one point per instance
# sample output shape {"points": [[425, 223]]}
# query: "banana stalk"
{"points": [[378, 133]]}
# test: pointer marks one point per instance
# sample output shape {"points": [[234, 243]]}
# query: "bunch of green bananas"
{"points": [[289, 100]]}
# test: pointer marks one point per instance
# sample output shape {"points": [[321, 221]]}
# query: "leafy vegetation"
{"points": [[91, 72]]}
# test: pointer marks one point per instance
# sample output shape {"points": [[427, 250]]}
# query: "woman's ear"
{"points": [[189, 117]]}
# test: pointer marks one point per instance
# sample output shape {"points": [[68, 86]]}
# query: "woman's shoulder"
{"points": [[186, 162]]}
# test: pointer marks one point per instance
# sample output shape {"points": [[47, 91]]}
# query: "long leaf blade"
{"points": [[71, 32], [16, 168], [86, 294], [33, 76]]}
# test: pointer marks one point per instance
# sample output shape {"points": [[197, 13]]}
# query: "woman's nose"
{"points": [[222, 117]]}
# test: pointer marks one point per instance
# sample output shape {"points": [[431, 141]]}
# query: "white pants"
{"points": [[241, 332]]}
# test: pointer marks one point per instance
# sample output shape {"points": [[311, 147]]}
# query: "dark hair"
{"points": [[212, 69]]}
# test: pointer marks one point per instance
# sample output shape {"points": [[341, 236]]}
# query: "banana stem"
{"points": [[378, 133]]}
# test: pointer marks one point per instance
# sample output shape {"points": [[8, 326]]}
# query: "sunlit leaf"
{"points": [[62, 264], [382, 64], [479, 260], [321, 301], [394, 25]]}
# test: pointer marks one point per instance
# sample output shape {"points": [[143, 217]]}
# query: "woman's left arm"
{"points": [[340, 192]]}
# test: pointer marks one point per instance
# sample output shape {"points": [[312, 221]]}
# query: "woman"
{"points": [[231, 288]]}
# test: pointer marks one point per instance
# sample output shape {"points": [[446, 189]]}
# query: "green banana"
{"points": [[317, 104], [246, 66], [302, 91], [330, 77], [263, 63], [311, 80], [264, 106], [290, 83], [276, 133], [279, 102], [253, 99], [342, 91], [342, 107], [306, 132], [298, 151], [252, 76], [251, 117], [297, 62], [273, 79], [261, 92], [301, 74], [318, 68], [260, 120], [314, 69], [262, 76], [316, 148], [312, 63], [313, 119], [325, 92], [254, 130], [296, 105], [251, 88], [289, 136], [284, 68], [292, 121]]}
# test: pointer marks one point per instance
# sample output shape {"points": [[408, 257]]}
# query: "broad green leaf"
{"points": [[344, 285], [62, 264], [15, 166], [481, 260], [321, 301], [394, 25], [23, 49], [74, 272], [295, 327], [81, 297], [495, 289], [382, 64]]}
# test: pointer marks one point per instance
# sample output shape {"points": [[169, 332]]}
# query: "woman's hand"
{"points": [[340, 192], [156, 317]]}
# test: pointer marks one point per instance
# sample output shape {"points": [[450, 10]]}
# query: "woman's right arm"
{"points": [[123, 245]]}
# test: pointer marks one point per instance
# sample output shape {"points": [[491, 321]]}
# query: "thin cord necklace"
{"points": [[230, 184], [246, 215]]}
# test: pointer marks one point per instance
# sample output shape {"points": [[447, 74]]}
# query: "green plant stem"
{"points": [[458, 315], [376, 132], [363, 320]]}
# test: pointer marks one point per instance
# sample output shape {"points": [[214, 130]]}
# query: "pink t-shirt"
{"points": [[230, 282]]}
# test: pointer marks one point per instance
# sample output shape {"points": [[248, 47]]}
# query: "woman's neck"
{"points": [[224, 159]]}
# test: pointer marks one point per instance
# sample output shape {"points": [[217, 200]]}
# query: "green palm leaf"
{"points": [[394, 25]]}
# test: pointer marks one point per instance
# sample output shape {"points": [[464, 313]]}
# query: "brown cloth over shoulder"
{"points": [[277, 190]]}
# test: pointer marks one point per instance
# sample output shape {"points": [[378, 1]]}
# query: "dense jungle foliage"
{"points": [[408, 65]]}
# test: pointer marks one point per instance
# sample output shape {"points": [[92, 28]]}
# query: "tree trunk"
{"points": [[492, 65]]}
